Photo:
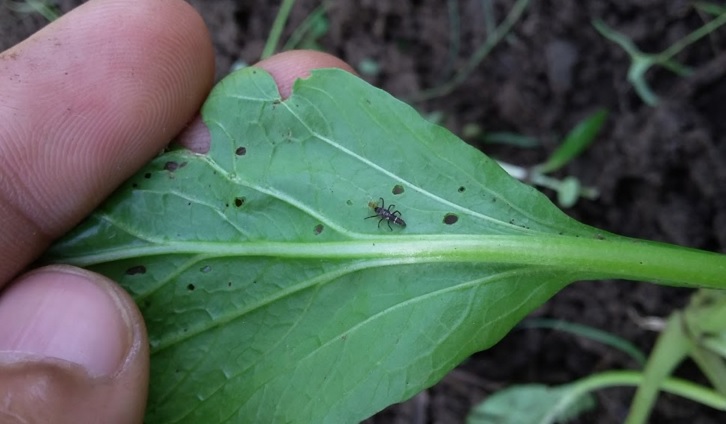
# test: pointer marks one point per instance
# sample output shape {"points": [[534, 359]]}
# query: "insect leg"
{"points": [[383, 202]]}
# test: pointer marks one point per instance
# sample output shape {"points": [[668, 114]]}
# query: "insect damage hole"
{"points": [[241, 151], [318, 229], [171, 166], [397, 189], [450, 218], [239, 201], [138, 269]]}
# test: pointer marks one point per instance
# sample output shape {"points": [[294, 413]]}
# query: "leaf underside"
{"points": [[268, 295]]}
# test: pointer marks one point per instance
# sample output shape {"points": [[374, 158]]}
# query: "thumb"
{"points": [[73, 349]]}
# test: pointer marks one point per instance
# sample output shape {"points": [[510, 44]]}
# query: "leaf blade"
{"points": [[253, 262]]}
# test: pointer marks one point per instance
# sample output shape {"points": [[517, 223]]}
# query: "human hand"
{"points": [[84, 103]]}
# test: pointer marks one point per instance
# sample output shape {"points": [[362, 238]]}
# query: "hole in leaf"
{"points": [[147, 175], [134, 185], [241, 151], [190, 287], [229, 284], [138, 269], [205, 269], [318, 229], [397, 189], [171, 166], [239, 201], [349, 202], [462, 189], [450, 218]]}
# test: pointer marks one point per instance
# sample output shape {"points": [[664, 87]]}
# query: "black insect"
{"points": [[387, 215]]}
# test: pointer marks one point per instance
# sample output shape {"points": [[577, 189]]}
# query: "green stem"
{"points": [[674, 386], [502, 30], [276, 32], [691, 38], [591, 333], [670, 350], [603, 256], [305, 26]]}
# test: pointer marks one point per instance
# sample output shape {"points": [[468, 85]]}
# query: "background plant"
{"points": [[697, 332]]}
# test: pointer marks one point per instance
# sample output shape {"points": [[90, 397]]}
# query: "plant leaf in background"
{"points": [[268, 295], [532, 404], [576, 141]]}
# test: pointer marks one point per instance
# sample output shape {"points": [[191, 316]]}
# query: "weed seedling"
{"points": [[641, 62], [569, 190]]}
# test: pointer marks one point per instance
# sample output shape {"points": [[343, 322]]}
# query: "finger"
{"points": [[83, 104], [73, 349], [285, 68], [289, 66]]}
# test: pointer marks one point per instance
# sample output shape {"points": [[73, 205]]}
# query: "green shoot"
{"points": [[490, 24], [569, 189], [454, 36], [540, 404], [710, 8], [306, 35], [642, 62], [42, 7], [589, 333], [479, 55], [576, 141], [277, 27], [697, 332]]}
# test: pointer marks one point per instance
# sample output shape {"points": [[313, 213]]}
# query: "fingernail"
{"points": [[68, 314]]}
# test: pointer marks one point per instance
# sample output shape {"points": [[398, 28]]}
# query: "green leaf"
{"points": [[532, 404], [576, 141], [588, 332], [268, 295], [710, 8]]}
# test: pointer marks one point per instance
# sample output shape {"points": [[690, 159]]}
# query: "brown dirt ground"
{"points": [[661, 171]]}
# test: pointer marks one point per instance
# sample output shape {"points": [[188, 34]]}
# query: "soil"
{"points": [[661, 171]]}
